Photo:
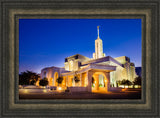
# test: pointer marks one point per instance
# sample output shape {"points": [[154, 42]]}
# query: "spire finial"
{"points": [[98, 30]]}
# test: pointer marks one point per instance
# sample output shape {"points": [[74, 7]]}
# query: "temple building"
{"points": [[100, 73]]}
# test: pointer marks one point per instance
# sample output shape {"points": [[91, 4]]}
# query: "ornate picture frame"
{"points": [[12, 11]]}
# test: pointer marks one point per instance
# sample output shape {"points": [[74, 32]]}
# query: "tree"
{"points": [[125, 82], [93, 80], [76, 79], [32, 82], [137, 81], [118, 83], [43, 82], [59, 80], [128, 82], [28, 78]]}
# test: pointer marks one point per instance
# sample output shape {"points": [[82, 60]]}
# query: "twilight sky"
{"points": [[46, 42]]}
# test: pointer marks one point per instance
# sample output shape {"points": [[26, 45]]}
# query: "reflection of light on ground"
{"points": [[59, 88], [100, 91], [25, 91], [33, 91], [124, 89], [136, 86], [44, 91]]}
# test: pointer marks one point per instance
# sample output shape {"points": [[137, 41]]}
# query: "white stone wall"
{"points": [[126, 72], [50, 72]]}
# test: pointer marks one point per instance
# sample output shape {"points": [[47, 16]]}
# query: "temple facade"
{"points": [[100, 73]]}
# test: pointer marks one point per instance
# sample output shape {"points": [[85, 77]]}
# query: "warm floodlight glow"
{"points": [[124, 89], [25, 91], [136, 86], [122, 86], [59, 88], [44, 91]]}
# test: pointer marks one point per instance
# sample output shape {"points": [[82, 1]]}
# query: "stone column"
{"points": [[80, 79], [89, 77], [70, 82], [74, 84], [54, 83], [96, 81], [66, 81], [107, 84]]}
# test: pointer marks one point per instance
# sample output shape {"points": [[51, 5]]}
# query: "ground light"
{"points": [[59, 88], [25, 91], [44, 91]]}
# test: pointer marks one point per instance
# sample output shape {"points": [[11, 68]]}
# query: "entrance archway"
{"points": [[100, 82]]}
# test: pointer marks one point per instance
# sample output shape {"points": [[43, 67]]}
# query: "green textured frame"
{"points": [[13, 10]]}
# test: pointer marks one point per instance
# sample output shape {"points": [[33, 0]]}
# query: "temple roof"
{"points": [[99, 60], [96, 67]]}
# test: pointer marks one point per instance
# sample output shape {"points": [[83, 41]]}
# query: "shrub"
{"points": [[59, 80], [76, 79], [93, 80], [43, 82]]}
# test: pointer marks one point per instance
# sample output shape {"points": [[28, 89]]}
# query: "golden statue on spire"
{"points": [[98, 31]]}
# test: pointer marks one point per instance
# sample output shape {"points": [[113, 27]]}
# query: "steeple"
{"points": [[98, 47]]}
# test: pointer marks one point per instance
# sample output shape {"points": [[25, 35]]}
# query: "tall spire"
{"points": [[98, 47], [98, 31]]}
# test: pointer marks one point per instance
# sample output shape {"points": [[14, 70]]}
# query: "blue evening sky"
{"points": [[46, 42]]}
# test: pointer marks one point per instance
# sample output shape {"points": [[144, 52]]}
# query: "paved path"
{"points": [[83, 95]]}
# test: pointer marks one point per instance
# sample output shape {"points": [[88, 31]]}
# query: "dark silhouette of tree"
{"points": [[93, 80], [59, 80], [32, 82], [125, 82], [43, 82], [76, 79], [118, 83], [28, 78], [137, 81], [128, 82]]}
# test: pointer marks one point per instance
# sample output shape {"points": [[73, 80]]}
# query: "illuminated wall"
{"points": [[51, 73], [128, 72], [124, 71], [73, 63]]}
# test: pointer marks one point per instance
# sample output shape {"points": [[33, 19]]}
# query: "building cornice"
{"points": [[97, 67]]}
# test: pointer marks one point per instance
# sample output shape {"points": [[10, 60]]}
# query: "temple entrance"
{"points": [[99, 82]]}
